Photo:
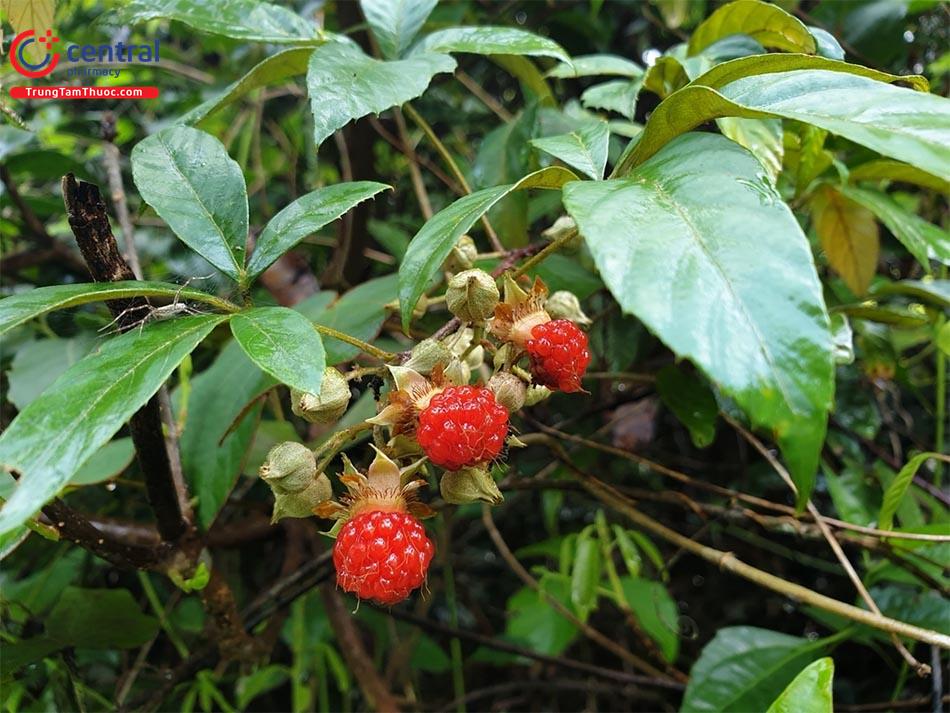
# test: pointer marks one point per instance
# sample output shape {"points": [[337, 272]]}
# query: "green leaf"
{"points": [[187, 176], [843, 98], [282, 343], [259, 682], [491, 40], [898, 489], [250, 20], [745, 668], [702, 214], [619, 95], [884, 169], [586, 573], [433, 243], [215, 442], [304, 216], [585, 148], [592, 65], [656, 612], [826, 45], [628, 551], [763, 137], [13, 139], [691, 402], [942, 340], [38, 363], [848, 235], [99, 619], [395, 22], [276, 68], [810, 691], [24, 306], [52, 437], [923, 240], [106, 463], [532, 621], [934, 291], [345, 84], [768, 24], [84, 619]]}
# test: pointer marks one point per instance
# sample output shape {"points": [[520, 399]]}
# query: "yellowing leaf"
{"points": [[30, 15], [849, 237]]}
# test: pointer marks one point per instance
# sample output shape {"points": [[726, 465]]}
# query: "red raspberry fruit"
{"points": [[462, 426], [559, 354], [382, 555]]}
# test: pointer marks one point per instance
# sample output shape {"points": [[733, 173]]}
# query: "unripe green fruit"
{"points": [[301, 504], [565, 305], [289, 468], [329, 405], [472, 295], [469, 485], [509, 390]]}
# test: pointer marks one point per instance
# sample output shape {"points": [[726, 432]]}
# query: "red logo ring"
{"points": [[29, 69]]}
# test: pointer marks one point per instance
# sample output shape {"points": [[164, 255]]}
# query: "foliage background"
{"points": [[885, 408]]}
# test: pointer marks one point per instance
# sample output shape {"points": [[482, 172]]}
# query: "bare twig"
{"points": [[351, 646], [921, 669], [486, 98], [164, 484], [418, 186]]}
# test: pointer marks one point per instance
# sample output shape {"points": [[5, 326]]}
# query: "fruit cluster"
{"points": [[433, 414]]}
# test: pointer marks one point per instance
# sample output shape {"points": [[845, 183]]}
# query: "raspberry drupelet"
{"points": [[382, 555], [462, 426], [381, 552], [559, 355]]}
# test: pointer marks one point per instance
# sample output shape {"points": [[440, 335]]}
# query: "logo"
{"points": [[29, 69]]}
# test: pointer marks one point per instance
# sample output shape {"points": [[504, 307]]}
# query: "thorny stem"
{"points": [[727, 561], [358, 343]]}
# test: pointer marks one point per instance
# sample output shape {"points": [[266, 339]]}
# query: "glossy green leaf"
{"points": [[395, 22], [584, 149], [628, 551], [826, 45], [702, 213], [884, 169], [896, 491], [250, 20], [219, 427], [106, 463], [593, 65], [345, 84], [433, 243], [282, 343], [669, 74], [276, 68], [745, 668], [810, 691], [656, 613], [99, 619], [925, 241], [305, 216], [52, 437], [768, 24], [491, 40], [619, 95], [846, 99], [691, 401], [38, 363], [24, 306], [763, 137], [187, 176], [586, 573]]}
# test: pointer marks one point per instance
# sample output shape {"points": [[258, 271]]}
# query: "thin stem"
{"points": [[588, 631], [545, 252], [922, 669], [730, 563], [162, 615], [358, 343], [328, 450], [453, 168], [418, 185]]}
